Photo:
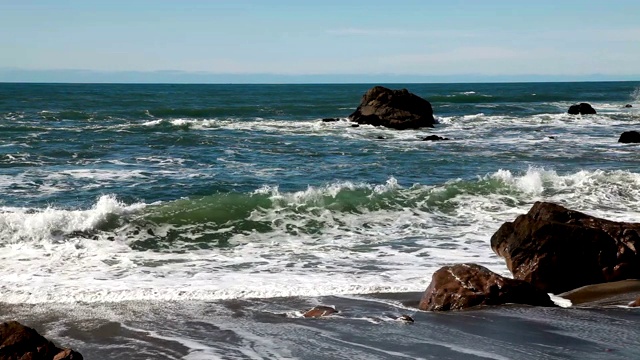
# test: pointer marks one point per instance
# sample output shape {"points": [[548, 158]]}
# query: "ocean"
{"points": [[148, 221]]}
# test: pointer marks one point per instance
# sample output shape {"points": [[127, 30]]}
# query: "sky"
{"points": [[328, 40]]}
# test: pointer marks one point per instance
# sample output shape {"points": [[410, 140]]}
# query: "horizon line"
{"points": [[307, 83], [83, 76]]}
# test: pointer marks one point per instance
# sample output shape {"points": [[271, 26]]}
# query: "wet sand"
{"points": [[365, 328]]}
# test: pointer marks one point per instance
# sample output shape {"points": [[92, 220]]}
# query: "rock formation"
{"points": [[466, 285], [19, 342], [557, 249], [629, 137], [320, 311], [582, 109], [398, 109], [434, 138]]}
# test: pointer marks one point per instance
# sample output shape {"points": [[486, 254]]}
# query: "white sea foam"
{"points": [[380, 249], [20, 225]]}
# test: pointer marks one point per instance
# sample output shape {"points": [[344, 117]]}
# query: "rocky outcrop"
{"points": [[397, 109], [557, 249], [582, 109], [320, 311], [466, 285], [629, 137], [19, 342], [434, 138]]}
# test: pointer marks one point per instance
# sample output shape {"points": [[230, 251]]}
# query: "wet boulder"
{"points": [[21, 342], [582, 109], [434, 138], [397, 109], [628, 106], [629, 137], [320, 311], [557, 249], [463, 286]]}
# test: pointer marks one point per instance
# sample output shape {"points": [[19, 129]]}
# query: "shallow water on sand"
{"points": [[365, 328]]}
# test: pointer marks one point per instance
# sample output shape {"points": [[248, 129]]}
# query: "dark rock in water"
{"points": [[582, 108], [434, 138], [616, 292], [380, 137], [397, 109], [330, 119], [552, 137], [463, 286], [628, 106], [320, 311], [557, 249], [355, 125], [406, 318], [629, 137], [20, 342]]}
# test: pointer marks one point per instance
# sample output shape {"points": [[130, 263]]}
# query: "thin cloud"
{"points": [[390, 32]]}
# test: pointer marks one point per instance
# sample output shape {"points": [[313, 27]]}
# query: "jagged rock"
{"points": [[434, 138], [19, 342], [629, 137], [462, 286], [320, 311], [557, 249], [582, 108], [398, 109], [406, 318]]}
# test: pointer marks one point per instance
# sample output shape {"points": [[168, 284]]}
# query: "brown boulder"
{"points": [[557, 249], [462, 286], [635, 303], [397, 109], [320, 311], [21, 342]]}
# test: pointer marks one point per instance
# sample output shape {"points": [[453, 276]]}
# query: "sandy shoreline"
{"points": [[364, 328]]}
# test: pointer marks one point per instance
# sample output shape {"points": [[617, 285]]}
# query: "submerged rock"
{"points": [[320, 311], [628, 106], [330, 119], [582, 109], [434, 138], [557, 249], [463, 286], [629, 137], [397, 109], [21, 342]]}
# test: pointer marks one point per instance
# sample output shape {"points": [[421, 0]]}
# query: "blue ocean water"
{"points": [[117, 193]]}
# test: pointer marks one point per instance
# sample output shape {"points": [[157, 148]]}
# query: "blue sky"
{"points": [[334, 40]]}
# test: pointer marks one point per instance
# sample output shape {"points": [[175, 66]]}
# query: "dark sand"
{"points": [[364, 329]]}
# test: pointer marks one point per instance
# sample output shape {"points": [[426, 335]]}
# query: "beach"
{"points": [[201, 221]]}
